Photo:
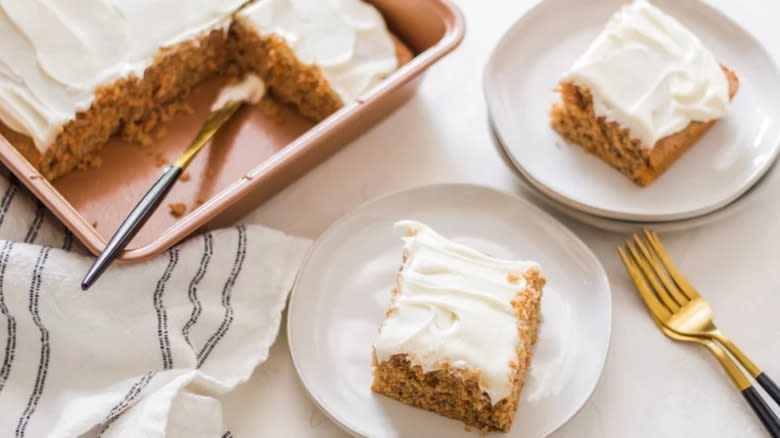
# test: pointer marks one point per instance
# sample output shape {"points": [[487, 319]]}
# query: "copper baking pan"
{"points": [[253, 157]]}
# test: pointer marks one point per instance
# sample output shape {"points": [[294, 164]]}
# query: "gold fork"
{"points": [[684, 316]]}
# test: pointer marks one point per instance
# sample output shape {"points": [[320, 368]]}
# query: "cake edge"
{"points": [[161, 93], [576, 106]]}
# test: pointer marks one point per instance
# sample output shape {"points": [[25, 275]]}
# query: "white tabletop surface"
{"points": [[650, 387]]}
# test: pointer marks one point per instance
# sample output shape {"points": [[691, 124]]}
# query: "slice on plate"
{"points": [[457, 337], [644, 92]]}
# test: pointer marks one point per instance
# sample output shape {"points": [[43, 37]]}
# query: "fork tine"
{"points": [[678, 278], [654, 306], [657, 287], [662, 274]]}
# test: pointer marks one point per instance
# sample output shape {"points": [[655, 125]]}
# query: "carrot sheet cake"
{"points": [[457, 337], [72, 74], [643, 93]]}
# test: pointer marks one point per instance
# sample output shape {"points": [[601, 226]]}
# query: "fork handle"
{"points": [[762, 411], [769, 386]]}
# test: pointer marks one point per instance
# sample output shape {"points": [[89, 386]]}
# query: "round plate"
{"points": [[760, 191], [343, 290], [541, 46]]}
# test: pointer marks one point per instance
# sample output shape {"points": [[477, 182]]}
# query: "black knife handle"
{"points": [[130, 227], [762, 411]]}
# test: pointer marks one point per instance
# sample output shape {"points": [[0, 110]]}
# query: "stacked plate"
{"points": [[728, 170]]}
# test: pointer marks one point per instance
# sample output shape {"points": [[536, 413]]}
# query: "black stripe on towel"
{"points": [[162, 314], [208, 251], [226, 294], [43, 364], [227, 435], [8, 197], [67, 241], [35, 226], [130, 396], [10, 341]]}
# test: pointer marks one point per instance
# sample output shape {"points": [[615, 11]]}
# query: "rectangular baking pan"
{"points": [[254, 156]]}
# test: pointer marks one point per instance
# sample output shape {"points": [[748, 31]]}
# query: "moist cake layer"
{"points": [[649, 73], [55, 55], [576, 121], [348, 41], [457, 338], [133, 107], [109, 66]]}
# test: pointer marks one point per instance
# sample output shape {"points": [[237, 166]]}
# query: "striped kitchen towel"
{"points": [[151, 348]]}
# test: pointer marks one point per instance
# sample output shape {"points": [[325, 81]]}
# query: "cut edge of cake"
{"points": [[456, 392], [135, 107], [574, 118], [289, 79], [131, 107]]}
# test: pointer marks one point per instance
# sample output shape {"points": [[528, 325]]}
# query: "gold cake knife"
{"points": [[149, 203]]}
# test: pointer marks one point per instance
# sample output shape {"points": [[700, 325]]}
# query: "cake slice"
{"points": [[457, 337], [644, 92]]}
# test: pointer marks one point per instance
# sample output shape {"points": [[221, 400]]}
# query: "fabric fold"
{"points": [[151, 348]]}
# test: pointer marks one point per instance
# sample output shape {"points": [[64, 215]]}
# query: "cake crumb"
{"points": [[90, 162], [94, 224], [177, 209], [144, 132], [161, 133], [512, 278], [160, 159], [185, 177], [271, 109], [198, 202]]}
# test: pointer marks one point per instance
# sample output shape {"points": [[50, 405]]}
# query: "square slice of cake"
{"points": [[458, 334], [644, 92]]}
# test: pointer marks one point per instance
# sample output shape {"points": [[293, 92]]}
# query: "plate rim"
{"points": [[569, 234], [611, 214], [755, 194]]}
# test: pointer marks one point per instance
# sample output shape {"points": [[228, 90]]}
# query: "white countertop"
{"points": [[651, 387]]}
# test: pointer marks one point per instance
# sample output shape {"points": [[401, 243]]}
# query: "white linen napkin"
{"points": [[149, 350]]}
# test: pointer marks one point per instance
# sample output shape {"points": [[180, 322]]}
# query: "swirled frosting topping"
{"points": [[651, 74], [54, 54], [454, 307], [347, 39]]}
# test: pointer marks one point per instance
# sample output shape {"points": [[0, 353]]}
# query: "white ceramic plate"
{"points": [[760, 192], [343, 290], [523, 71]]}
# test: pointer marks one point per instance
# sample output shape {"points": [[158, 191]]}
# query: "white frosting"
{"points": [[649, 73], [346, 39], [250, 90], [454, 306], [54, 54]]}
